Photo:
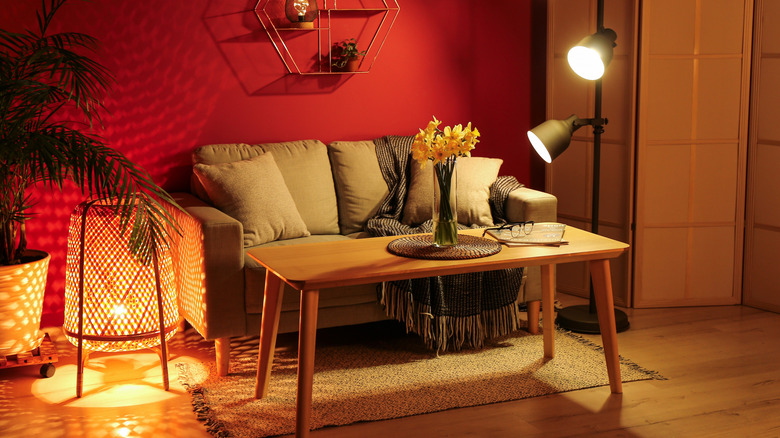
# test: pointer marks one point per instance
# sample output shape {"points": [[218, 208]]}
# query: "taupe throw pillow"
{"points": [[306, 171], [253, 192], [475, 176]]}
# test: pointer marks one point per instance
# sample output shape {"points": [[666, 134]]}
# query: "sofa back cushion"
{"points": [[360, 187], [306, 171], [253, 192], [475, 176]]}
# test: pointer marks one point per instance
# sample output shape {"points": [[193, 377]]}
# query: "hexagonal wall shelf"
{"points": [[310, 51]]}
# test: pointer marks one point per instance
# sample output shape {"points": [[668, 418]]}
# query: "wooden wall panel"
{"points": [[691, 152], [762, 246]]}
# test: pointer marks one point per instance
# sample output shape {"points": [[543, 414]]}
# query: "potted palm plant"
{"points": [[45, 79], [346, 56]]}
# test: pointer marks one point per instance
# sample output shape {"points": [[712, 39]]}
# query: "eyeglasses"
{"points": [[516, 229]]}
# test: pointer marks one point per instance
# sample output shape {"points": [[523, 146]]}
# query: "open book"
{"points": [[544, 233]]}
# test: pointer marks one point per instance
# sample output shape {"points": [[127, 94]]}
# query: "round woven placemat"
{"points": [[421, 247]]}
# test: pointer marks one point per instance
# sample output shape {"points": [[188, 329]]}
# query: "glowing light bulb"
{"points": [[539, 147], [586, 62], [301, 6], [120, 309]]}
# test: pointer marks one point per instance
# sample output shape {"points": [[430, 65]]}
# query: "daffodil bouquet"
{"points": [[443, 147]]}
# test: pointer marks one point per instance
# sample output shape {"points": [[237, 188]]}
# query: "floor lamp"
{"points": [[589, 59], [113, 302]]}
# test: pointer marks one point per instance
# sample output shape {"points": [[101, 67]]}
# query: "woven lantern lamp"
{"points": [[113, 302]]}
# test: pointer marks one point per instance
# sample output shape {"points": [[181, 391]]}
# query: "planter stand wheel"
{"points": [[48, 369]]}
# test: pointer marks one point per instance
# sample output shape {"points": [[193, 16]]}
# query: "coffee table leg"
{"points": [[548, 309], [272, 305], [307, 337], [602, 289]]}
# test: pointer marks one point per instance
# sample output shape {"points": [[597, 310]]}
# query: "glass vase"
{"points": [[445, 203]]}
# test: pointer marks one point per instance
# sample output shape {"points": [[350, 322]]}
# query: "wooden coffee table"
{"points": [[312, 267]]}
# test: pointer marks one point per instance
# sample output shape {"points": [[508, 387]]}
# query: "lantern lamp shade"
{"points": [[119, 299], [301, 11]]}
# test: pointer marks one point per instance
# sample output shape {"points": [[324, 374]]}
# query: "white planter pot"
{"points": [[21, 303]]}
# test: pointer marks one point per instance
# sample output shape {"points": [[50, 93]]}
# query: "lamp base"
{"points": [[302, 25], [579, 320]]}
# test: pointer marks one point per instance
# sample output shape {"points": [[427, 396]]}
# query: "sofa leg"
{"points": [[222, 345], [532, 308]]}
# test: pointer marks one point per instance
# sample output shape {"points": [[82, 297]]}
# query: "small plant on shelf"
{"points": [[346, 56]]}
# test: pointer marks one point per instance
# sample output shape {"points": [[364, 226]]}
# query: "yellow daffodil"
{"points": [[434, 144], [439, 155], [433, 126]]}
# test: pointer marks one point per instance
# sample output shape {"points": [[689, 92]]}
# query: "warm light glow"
{"points": [[117, 380], [586, 62], [539, 147], [188, 261], [20, 307], [120, 309], [123, 432], [301, 6]]}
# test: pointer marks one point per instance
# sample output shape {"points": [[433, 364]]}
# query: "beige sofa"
{"points": [[336, 189]]}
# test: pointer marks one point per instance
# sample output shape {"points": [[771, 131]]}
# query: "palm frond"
{"points": [[40, 76]]}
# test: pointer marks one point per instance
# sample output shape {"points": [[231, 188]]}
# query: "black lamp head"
{"points": [[552, 137]]}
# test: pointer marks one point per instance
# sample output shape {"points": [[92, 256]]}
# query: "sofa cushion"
{"points": [[253, 192], [216, 154], [306, 170], [475, 176], [224, 153], [360, 187]]}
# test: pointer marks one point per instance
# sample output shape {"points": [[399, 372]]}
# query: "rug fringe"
{"points": [[441, 331], [199, 404], [623, 361]]}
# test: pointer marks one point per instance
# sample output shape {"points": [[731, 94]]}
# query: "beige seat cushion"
{"points": [[254, 193], [475, 176], [306, 170], [360, 187]]}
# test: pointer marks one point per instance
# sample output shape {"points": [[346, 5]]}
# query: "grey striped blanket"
{"points": [[455, 310]]}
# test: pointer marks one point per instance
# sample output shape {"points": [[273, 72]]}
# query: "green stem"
{"points": [[445, 228]]}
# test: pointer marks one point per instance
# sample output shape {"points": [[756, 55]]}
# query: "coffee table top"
{"points": [[343, 263]]}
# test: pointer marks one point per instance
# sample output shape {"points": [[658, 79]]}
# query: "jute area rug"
{"points": [[381, 375]]}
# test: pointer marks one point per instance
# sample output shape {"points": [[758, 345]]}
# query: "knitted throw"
{"points": [[454, 310]]}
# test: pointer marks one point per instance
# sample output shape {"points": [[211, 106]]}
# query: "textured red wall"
{"points": [[203, 71]]}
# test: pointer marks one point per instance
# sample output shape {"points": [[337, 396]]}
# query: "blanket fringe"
{"points": [[442, 332]]}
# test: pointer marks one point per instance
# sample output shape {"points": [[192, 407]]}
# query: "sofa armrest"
{"points": [[526, 204], [210, 269]]}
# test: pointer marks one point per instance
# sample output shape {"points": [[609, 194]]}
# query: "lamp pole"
{"points": [[584, 319]]}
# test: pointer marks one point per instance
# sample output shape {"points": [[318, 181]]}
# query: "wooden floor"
{"points": [[722, 366]]}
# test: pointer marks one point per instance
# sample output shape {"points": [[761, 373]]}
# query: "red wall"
{"points": [[199, 72]]}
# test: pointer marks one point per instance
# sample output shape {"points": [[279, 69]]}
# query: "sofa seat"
{"points": [[335, 297]]}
